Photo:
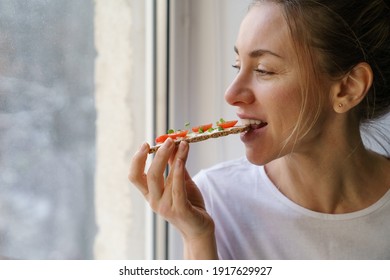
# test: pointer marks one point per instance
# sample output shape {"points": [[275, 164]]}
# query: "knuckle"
{"points": [[132, 177], [164, 210], [177, 192], [153, 177], [137, 180], [153, 203]]}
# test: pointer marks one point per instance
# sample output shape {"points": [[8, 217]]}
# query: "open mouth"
{"points": [[253, 124]]}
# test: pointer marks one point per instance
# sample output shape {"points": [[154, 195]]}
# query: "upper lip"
{"points": [[246, 119]]}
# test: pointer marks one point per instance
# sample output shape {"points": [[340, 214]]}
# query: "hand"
{"points": [[176, 198]]}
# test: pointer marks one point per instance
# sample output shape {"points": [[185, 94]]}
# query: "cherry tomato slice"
{"points": [[178, 134], [227, 124], [161, 138], [202, 128], [175, 135]]}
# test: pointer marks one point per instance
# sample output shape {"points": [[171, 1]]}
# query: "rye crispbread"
{"points": [[197, 137]]}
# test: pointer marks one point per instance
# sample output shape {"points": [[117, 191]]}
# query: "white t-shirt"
{"points": [[255, 221]]}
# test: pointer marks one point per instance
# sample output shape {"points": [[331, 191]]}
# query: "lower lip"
{"points": [[252, 134]]}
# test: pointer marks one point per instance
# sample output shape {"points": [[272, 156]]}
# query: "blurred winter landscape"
{"points": [[47, 129]]}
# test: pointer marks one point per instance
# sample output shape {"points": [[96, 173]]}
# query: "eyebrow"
{"points": [[258, 52]]}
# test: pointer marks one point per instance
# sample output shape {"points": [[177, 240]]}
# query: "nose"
{"points": [[240, 92]]}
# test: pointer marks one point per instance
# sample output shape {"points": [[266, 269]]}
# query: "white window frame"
{"points": [[190, 51]]}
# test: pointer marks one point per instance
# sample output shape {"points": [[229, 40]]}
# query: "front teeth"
{"points": [[250, 122]]}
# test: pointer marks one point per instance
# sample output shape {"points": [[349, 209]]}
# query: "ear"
{"points": [[348, 92]]}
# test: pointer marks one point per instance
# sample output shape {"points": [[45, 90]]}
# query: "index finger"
{"points": [[156, 172], [137, 169]]}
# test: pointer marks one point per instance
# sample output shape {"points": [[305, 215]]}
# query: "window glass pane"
{"points": [[47, 134]]}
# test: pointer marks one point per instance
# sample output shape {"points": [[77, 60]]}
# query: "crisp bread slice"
{"points": [[204, 136]]}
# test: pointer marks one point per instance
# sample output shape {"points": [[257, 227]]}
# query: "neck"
{"points": [[336, 177]]}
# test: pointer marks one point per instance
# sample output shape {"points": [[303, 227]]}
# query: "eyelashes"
{"points": [[236, 67], [263, 72], [259, 71]]}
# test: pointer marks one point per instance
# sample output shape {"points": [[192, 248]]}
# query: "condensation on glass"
{"points": [[47, 129]]}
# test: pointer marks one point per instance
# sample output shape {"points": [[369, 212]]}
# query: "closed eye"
{"points": [[263, 72], [259, 71], [237, 67]]}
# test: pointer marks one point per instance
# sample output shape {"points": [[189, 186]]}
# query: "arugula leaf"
{"points": [[221, 120]]}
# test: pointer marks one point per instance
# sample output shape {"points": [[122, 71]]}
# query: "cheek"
{"points": [[302, 114], [287, 104], [286, 117]]}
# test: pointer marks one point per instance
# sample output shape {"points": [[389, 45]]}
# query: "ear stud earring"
{"points": [[341, 105]]}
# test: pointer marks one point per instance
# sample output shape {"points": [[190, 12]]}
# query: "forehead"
{"points": [[264, 27]]}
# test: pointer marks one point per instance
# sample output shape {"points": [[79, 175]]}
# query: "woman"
{"points": [[310, 73]]}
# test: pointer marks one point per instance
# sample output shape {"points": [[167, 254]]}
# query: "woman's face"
{"points": [[266, 90]]}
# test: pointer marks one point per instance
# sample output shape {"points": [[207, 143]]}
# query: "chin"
{"points": [[257, 159]]}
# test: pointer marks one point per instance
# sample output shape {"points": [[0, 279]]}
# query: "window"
{"points": [[200, 39], [47, 122]]}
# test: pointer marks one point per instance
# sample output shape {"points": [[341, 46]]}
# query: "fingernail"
{"points": [[143, 147], [168, 143], [183, 146]]}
